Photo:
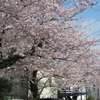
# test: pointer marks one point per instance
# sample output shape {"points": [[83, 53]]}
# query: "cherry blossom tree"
{"points": [[40, 36]]}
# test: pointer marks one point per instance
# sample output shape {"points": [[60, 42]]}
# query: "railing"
{"points": [[72, 91]]}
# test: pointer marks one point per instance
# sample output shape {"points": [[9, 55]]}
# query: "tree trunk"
{"points": [[34, 86], [0, 49]]}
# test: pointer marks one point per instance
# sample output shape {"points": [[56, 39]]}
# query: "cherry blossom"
{"points": [[39, 40]]}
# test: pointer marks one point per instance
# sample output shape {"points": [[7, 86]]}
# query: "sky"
{"points": [[91, 15], [92, 20]]}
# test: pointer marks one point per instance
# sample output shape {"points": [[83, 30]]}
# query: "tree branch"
{"points": [[10, 61]]}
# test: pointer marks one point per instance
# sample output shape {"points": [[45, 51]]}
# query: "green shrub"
{"points": [[90, 98], [5, 87]]}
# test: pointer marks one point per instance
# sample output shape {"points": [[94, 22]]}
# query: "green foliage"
{"points": [[5, 87], [90, 98]]}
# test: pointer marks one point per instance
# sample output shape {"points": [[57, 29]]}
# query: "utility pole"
{"points": [[86, 93], [98, 94], [81, 93]]}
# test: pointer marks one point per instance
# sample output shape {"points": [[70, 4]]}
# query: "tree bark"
{"points": [[34, 86], [10, 61], [0, 48]]}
